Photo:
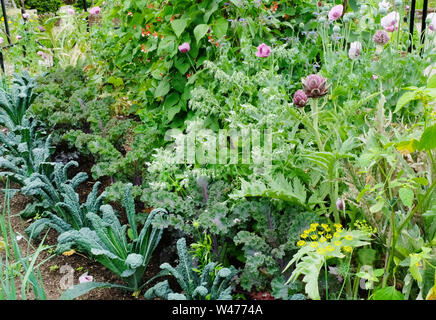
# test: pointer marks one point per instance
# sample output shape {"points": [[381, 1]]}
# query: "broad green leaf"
{"points": [[388, 293], [415, 259], [353, 5], [377, 207], [83, 288], [421, 181], [179, 26], [162, 89], [200, 31], [171, 100], [366, 256], [428, 139], [220, 28], [407, 147], [406, 196], [405, 99], [432, 82], [117, 82]]}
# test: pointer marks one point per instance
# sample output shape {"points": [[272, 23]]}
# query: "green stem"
{"points": [[393, 241], [326, 280], [315, 119]]}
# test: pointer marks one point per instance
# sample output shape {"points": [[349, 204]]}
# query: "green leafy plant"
{"points": [[321, 246], [209, 285], [16, 100], [108, 242], [69, 213], [11, 254]]}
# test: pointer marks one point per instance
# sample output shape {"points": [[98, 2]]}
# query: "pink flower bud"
{"points": [[263, 51], [300, 98], [184, 47], [340, 205]]}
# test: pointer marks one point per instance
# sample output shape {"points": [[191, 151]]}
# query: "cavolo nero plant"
{"points": [[209, 285], [68, 214], [15, 101], [126, 252]]}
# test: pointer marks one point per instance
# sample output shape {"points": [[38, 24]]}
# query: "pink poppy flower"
{"points": [[71, 11], [18, 37], [336, 12], [355, 49], [391, 21], [95, 10], [432, 18], [26, 16], [184, 47], [263, 51]]}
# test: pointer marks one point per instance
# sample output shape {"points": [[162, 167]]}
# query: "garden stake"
{"points": [[423, 23], [5, 17], [85, 7]]}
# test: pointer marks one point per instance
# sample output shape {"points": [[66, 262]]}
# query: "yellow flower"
{"points": [[328, 236], [69, 253], [301, 243], [307, 231], [324, 226], [330, 248], [314, 225], [328, 229], [339, 230], [338, 243], [337, 225], [314, 244], [336, 235], [348, 237], [312, 229], [321, 250], [321, 232], [196, 224], [314, 237], [322, 239], [304, 236], [348, 249]]}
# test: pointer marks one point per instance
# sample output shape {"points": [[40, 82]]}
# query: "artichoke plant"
{"points": [[315, 86]]}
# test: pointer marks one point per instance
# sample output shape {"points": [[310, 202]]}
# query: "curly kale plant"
{"points": [[204, 286], [15, 101], [108, 242]]}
